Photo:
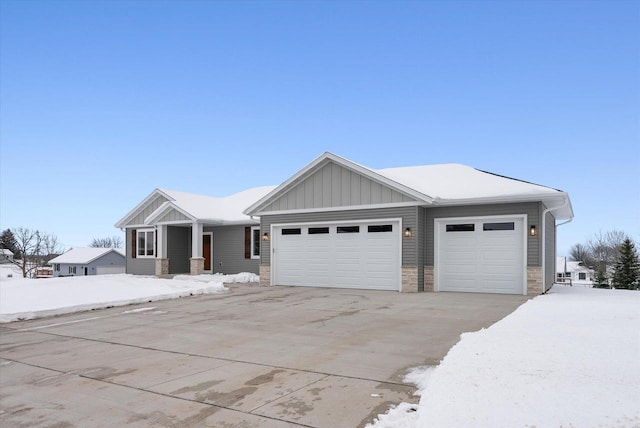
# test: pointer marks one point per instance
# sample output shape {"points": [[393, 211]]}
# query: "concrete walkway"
{"points": [[252, 357]]}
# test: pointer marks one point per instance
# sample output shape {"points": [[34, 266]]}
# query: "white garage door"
{"points": [[484, 255], [362, 255]]}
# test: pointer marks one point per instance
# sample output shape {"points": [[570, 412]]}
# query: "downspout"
{"points": [[544, 243]]}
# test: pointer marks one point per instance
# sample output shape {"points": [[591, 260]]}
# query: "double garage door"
{"points": [[482, 255], [363, 254]]}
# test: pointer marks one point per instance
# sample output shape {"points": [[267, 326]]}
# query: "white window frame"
{"points": [[253, 242], [153, 246]]}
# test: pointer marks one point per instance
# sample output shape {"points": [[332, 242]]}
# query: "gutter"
{"points": [[544, 246]]}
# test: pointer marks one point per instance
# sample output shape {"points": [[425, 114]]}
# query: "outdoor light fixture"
{"points": [[265, 236], [408, 233], [532, 230]]}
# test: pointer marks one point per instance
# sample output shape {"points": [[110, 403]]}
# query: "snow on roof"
{"points": [[226, 209], [84, 255], [456, 181], [565, 265], [6, 252]]}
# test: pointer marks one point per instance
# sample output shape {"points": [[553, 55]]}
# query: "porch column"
{"points": [[162, 262], [196, 261]]}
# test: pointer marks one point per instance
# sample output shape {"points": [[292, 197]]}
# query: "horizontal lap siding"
{"points": [[228, 251], [110, 259], [409, 217], [179, 249], [138, 266], [550, 250], [531, 209]]}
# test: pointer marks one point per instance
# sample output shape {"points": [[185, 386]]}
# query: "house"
{"points": [[573, 272], [44, 272], [6, 255], [172, 232], [336, 223], [88, 261]]}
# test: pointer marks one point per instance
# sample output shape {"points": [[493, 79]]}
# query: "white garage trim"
{"points": [[397, 222], [438, 242]]}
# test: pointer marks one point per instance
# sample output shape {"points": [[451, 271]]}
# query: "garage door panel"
{"points": [[486, 257], [355, 258]]}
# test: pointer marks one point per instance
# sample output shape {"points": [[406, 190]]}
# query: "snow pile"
{"points": [[569, 358], [243, 277], [34, 298]]}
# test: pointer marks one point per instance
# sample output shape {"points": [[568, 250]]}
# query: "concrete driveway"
{"points": [[252, 357]]}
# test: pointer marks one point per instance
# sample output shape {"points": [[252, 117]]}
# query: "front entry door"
{"points": [[206, 251]]}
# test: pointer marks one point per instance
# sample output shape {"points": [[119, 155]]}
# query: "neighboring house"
{"points": [[336, 223], [6, 255], [44, 272], [88, 261], [172, 232], [573, 272]]}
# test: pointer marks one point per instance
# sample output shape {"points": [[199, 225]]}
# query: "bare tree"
{"points": [[108, 242], [600, 252], [581, 253], [36, 249]]}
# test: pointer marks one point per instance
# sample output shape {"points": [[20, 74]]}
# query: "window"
{"points": [[318, 230], [582, 276], [57, 267], [146, 243], [72, 269], [374, 228], [470, 227], [348, 229], [498, 226], [292, 231], [255, 242]]}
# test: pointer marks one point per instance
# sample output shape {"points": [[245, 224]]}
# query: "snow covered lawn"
{"points": [[570, 358], [33, 298]]}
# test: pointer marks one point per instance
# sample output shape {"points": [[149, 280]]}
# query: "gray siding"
{"points": [[179, 249], [151, 207], [550, 250], [173, 215], [110, 259], [228, 251], [409, 217], [335, 186], [138, 266], [531, 209], [420, 236]]}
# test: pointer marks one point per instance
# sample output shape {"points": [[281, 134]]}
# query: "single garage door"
{"points": [[363, 255], [482, 255]]}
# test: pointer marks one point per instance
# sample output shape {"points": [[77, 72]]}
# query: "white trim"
{"points": [[145, 230], [436, 243], [273, 239], [210, 251], [164, 209], [138, 208], [344, 208]]}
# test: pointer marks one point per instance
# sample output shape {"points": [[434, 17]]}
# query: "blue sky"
{"points": [[103, 101]]}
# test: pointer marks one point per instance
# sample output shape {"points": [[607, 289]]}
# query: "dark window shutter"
{"points": [[247, 242], [134, 242], [155, 250]]}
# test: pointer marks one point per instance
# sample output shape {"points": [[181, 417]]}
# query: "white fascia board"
{"points": [[164, 209], [138, 208], [321, 160], [346, 208]]}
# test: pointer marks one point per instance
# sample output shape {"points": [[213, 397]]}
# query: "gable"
{"points": [[172, 215], [147, 210], [334, 186]]}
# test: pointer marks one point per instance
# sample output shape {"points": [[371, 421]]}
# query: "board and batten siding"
{"points": [[173, 215], [335, 186], [146, 212], [533, 210], [409, 216], [228, 251]]}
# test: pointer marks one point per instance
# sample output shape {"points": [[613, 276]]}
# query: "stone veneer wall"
{"points": [[534, 280], [196, 265], [428, 278], [409, 279], [265, 275], [162, 267]]}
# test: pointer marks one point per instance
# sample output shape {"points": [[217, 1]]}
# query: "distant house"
{"points": [[89, 261], [6, 256], [573, 272], [44, 272]]}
